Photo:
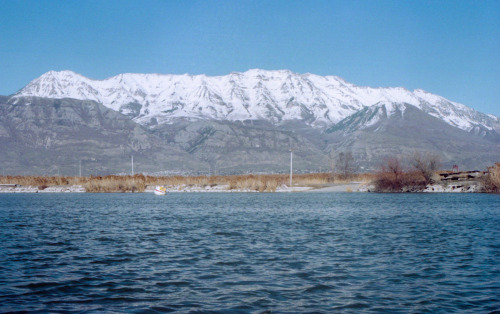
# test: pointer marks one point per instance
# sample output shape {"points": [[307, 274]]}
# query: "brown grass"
{"points": [[138, 183], [116, 184]]}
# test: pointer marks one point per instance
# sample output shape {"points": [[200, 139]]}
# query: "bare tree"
{"points": [[345, 164], [331, 158], [394, 166], [426, 164]]}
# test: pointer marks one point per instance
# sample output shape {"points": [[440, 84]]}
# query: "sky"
{"points": [[450, 48]]}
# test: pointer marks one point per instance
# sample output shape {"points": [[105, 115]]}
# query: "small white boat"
{"points": [[160, 190]]}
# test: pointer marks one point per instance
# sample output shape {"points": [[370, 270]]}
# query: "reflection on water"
{"points": [[296, 252]]}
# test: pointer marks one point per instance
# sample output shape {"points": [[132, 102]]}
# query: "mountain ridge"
{"points": [[276, 96]]}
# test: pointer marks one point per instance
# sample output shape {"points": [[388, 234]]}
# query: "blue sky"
{"points": [[451, 48]]}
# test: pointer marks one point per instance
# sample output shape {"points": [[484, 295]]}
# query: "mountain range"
{"points": [[240, 122]]}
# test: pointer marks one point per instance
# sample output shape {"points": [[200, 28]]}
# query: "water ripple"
{"points": [[240, 253]]}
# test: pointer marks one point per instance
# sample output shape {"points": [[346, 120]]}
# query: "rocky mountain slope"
{"points": [[246, 147], [51, 136]]}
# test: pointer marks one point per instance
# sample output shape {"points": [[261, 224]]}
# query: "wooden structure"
{"points": [[460, 176]]}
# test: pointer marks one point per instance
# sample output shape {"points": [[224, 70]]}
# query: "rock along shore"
{"points": [[458, 187], [15, 188]]}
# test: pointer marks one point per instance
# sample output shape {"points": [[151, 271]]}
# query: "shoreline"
{"points": [[354, 187], [49, 189], [443, 182]]}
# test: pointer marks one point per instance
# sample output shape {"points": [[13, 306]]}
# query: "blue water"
{"points": [[299, 252]]}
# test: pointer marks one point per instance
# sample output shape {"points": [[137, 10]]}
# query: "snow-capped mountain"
{"points": [[275, 96]]}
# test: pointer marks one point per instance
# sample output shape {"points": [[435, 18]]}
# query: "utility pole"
{"points": [[132, 159], [80, 164], [291, 166]]}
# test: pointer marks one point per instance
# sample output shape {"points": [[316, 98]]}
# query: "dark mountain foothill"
{"points": [[52, 136]]}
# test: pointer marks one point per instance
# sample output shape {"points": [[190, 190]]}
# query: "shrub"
{"points": [[491, 181], [392, 178], [405, 182]]}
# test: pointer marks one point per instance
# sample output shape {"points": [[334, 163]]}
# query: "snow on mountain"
{"points": [[369, 116], [255, 94]]}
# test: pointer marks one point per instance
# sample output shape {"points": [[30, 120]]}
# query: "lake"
{"points": [[237, 252]]}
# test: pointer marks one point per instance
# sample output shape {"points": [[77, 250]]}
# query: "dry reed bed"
{"points": [[139, 182]]}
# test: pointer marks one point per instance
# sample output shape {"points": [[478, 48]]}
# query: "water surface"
{"points": [[236, 252]]}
